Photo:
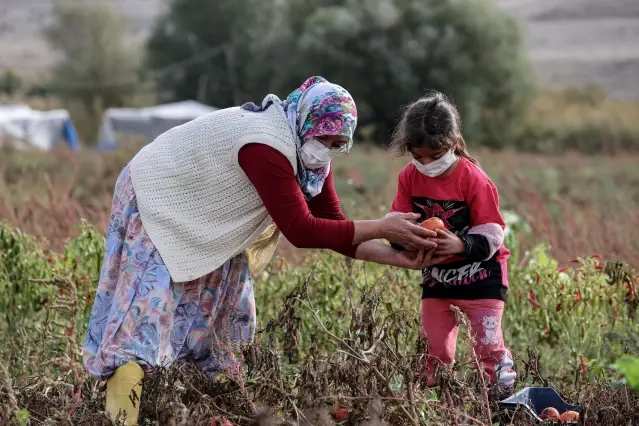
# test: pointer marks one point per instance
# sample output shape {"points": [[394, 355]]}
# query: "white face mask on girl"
{"points": [[437, 167], [315, 155]]}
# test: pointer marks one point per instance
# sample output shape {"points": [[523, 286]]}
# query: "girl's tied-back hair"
{"points": [[431, 122]]}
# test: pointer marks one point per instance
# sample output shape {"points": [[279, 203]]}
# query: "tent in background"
{"points": [[147, 122], [24, 127]]}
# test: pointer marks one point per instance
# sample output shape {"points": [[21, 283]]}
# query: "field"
{"points": [[338, 340], [336, 337], [580, 205]]}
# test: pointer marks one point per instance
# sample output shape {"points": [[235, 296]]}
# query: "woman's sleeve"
{"points": [[326, 205], [272, 175]]}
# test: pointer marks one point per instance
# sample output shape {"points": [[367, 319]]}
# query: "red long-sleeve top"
{"points": [[465, 200], [318, 223]]}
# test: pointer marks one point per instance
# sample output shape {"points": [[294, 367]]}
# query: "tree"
{"points": [[387, 53], [220, 52], [10, 83], [97, 66]]}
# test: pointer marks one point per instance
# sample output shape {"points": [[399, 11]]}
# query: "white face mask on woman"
{"points": [[315, 155], [436, 167]]}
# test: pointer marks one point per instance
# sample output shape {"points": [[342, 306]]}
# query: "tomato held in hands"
{"points": [[433, 224]]}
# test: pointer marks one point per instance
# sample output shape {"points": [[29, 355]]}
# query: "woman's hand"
{"points": [[448, 244], [398, 229], [419, 260]]}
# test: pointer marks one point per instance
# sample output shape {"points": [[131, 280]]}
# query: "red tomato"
{"points": [[549, 413], [433, 224], [569, 416], [341, 415]]}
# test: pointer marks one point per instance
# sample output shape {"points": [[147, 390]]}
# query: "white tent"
{"points": [[24, 127], [147, 122]]}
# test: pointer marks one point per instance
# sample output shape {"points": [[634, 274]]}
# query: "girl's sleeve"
{"points": [[486, 233], [402, 203], [272, 175]]}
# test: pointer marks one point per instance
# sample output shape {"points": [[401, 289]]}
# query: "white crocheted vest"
{"points": [[196, 203]]}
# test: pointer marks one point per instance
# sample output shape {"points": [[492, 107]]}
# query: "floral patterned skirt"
{"points": [[141, 315]]}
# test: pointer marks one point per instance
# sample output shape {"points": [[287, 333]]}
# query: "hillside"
{"points": [[571, 42], [580, 42]]}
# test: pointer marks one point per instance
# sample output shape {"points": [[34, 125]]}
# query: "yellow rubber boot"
{"points": [[119, 395]]}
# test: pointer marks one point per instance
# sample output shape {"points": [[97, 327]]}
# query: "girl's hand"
{"points": [[419, 260], [448, 244], [398, 229]]}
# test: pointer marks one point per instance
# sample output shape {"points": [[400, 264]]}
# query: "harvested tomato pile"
{"points": [[551, 413]]}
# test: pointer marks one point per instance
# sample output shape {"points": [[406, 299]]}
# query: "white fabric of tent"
{"points": [[148, 122], [24, 127]]}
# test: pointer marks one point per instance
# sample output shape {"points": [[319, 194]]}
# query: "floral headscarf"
{"points": [[318, 108]]}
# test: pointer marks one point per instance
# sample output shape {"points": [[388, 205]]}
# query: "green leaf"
{"points": [[628, 366], [22, 416]]}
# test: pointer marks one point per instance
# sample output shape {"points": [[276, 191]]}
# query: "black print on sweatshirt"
{"points": [[454, 214], [462, 274], [460, 279]]}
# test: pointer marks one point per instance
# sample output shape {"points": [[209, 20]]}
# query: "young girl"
{"points": [[444, 181]]}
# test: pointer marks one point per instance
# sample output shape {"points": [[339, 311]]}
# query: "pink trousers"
{"points": [[439, 325]]}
